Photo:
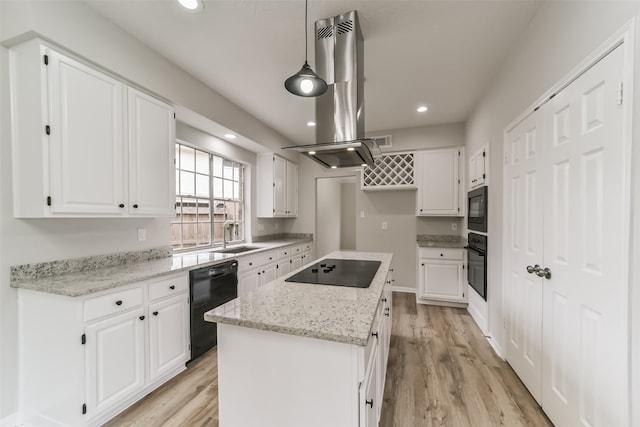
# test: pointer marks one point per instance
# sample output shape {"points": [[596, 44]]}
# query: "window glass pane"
{"points": [[217, 232], [217, 188], [176, 235], [228, 189], [187, 183], [219, 211], [240, 229], [236, 173], [178, 217], [204, 234], [236, 190], [217, 166], [203, 211], [227, 170], [188, 210], [188, 235], [202, 162], [187, 158], [202, 185], [231, 211], [240, 212]]}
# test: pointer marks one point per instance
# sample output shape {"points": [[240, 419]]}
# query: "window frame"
{"points": [[239, 215]]}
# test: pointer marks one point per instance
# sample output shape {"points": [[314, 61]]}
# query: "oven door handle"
{"points": [[478, 251]]}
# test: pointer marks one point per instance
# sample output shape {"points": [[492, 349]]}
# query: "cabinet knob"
{"points": [[250, 263], [119, 302], [422, 264], [384, 300], [441, 254], [121, 205], [141, 317], [135, 206], [155, 313], [374, 334], [172, 287], [369, 402]]}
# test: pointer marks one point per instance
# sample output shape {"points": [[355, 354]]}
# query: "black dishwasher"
{"points": [[210, 287]]}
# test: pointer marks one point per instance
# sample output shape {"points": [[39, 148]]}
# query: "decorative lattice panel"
{"points": [[390, 171]]}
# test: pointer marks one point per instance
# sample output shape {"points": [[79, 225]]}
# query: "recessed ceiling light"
{"points": [[312, 152], [311, 124], [334, 167], [229, 135], [422, 109], [364, 165], [194, 5], [351, 149]]}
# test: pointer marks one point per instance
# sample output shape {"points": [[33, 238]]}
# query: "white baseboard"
{"points": [[405, 289], [12, 420], [496, 347]]}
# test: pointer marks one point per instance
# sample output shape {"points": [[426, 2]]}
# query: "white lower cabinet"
{"points": [[85, 359], [441, 275]]}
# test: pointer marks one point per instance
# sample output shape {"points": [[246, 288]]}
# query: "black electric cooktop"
{"points": [[338, 272]]}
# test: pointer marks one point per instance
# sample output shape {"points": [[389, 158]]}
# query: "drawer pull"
{"points": [[369, 402], [119, 302], [121, 205], [384, 300], [172, 287], [386, 311], [141, 317], [374, 334], [135, 206], [441, 254], [155, 313]]}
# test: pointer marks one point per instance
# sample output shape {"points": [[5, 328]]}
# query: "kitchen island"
{"points": [[294, 354]]}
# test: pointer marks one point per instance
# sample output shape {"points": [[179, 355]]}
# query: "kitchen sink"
{"points": [[238, 249]]}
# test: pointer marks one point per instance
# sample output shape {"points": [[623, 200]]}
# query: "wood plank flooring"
{"points": [[441, 372]]}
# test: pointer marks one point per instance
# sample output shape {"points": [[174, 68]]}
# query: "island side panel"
{"points": [[271, 379]]}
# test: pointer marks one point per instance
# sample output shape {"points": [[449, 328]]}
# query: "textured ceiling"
{"points": [[442, 54]]}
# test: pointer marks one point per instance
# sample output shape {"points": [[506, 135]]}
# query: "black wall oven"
{"points": [[477, 209], [477, 263]]}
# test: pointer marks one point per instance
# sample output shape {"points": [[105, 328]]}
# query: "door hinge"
{"points": [[47, 130], [483, 176], [620, 93], [46, 60], [458, 181], [84, 408], [458, 209], [83, 339], [48, 200], [459, 153], [174, 115], [463, 295], [189, 346], [484, 154]]}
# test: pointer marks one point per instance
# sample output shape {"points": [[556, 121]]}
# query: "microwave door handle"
{"points": [[479, 252]]}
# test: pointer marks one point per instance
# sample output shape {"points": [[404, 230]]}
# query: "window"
{"points": [[209, 200]]}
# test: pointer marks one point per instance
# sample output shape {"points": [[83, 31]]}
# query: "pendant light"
{"points": [[305, 82]]}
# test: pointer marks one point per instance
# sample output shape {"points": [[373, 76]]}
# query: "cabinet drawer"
{"points": [[246, 263], [115, 302], [267, 257], [173, 285], [296, 250], [442, 253], [285, 252], [306, 247]]}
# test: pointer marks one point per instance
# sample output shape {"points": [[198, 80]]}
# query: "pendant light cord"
{"points": [[306, 30]]}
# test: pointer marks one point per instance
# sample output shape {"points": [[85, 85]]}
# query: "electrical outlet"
{"points": [[384, 225], [142, 234], [362, 214], [454, 226]]}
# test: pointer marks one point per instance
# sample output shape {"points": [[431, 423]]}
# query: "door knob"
{"points": [[546, 273], [533, 269]]}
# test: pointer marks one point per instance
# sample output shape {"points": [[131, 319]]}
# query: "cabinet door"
{"points": [[279, 186], [248, 282], [472, 171], [86, 141], [441, 280], [292, 189], [284, 267], [151, 155], [479, 171], [296, 262], [368, 397], [115, 360], [168, 335], [438, 184], [269, 273]]}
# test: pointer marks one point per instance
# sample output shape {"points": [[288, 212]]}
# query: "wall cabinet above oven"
{"points": [[439, 177], [478, 162], [86, 144]]}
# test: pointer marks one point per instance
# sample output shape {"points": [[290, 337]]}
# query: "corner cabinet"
{"points": [[85, 144], [477, 168], [85, 359], [441, 276], [277, 187], [439, 177]]}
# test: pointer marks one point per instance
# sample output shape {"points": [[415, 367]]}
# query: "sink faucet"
{"points": [[226, 225]]}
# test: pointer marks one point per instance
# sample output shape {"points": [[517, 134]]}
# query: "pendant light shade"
{"points": [[305, 82]]}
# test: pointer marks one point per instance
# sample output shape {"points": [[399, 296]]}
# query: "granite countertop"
{"points": [[441, 241], [81, 283], [332, 313]]}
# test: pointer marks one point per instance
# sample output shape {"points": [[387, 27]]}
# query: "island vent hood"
{"points": [[340, 110]]}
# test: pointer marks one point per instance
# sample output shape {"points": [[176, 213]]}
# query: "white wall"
{"points": [[77, 27], [560, 36], [348, 215], [328, 207]]}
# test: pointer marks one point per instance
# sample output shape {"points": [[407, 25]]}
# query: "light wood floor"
{"points": [[441, 372]]}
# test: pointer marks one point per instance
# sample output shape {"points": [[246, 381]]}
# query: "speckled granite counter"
{"points": [[440, 241], [99, 278], [332, 313]]}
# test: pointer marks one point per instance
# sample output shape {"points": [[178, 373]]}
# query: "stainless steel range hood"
{"points": [[340, 110]]}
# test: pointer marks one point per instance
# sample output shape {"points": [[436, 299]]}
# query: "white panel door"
{"points": [[279, 186], [168, 335], [292, 189], [585, 329], [86, 139], [523, 290], [151, 155], [115, 360]]}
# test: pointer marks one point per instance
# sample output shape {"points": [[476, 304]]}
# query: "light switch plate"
{"points": [[384, 225], [142, 234]]}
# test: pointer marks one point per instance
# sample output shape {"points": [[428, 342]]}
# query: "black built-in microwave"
{"points": [[477, 209]]}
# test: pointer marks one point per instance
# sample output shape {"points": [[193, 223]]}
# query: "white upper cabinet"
{"points": [[439, 177], [84, 143], [151, 155], [477, 165], [277, 187]]}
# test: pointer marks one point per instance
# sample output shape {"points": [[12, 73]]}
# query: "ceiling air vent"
{"points": [[323, 33], [345, 27], [383, 141]]}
